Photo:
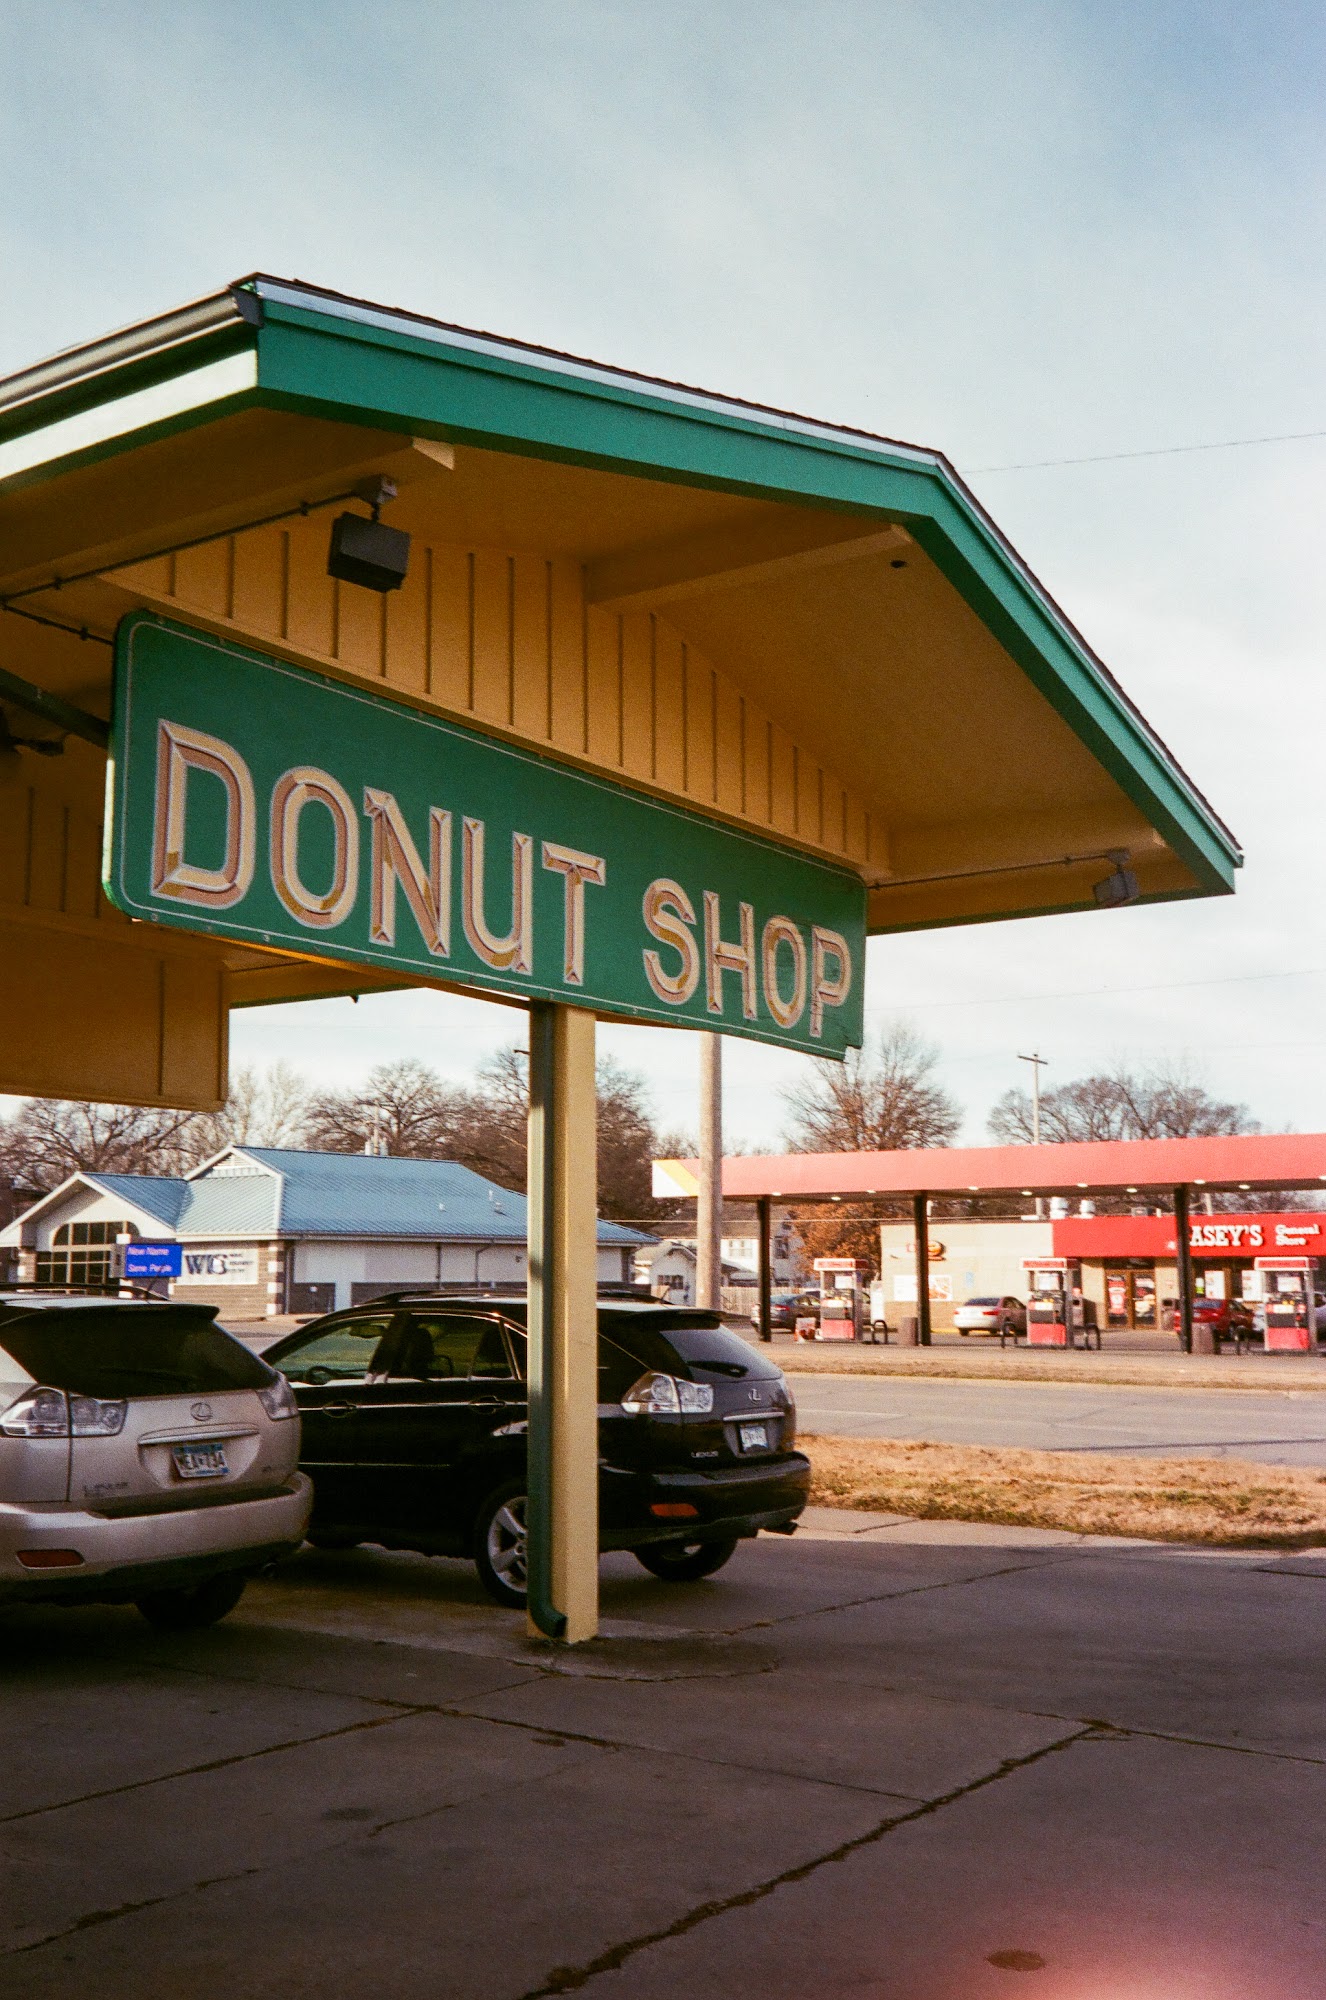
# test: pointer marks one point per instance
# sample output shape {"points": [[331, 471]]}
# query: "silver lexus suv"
{"points": [[146, 1457]]}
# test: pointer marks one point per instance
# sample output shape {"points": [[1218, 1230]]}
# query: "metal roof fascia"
{"points": [[524, 356], [145, 341], [175, 401], [681, 435]]}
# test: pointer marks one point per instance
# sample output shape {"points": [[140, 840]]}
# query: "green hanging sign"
{"points": [[260, 801]]}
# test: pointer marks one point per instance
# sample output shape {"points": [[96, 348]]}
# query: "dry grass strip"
{"points": [[1221, 1501], [987, 1361]]}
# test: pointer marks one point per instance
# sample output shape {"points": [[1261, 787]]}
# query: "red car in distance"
{"points": [[1228, 1319]]}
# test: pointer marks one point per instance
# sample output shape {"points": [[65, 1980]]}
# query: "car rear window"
{"points": [[982, 1302], [700, 1340], [128, 1350], [661, 1339]]}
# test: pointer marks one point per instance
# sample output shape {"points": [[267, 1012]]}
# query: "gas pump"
{"points": [[1288, 1316], [843, 1282], [1055, 1314]]}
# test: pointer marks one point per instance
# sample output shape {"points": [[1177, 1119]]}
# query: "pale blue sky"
{"points": [[1029, 232]]}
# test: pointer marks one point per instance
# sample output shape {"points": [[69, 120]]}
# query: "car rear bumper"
{"points": [[731, 1504], [126, 1556]]}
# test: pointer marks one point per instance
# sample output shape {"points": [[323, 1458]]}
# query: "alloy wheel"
{"points": [[506, 1542]]}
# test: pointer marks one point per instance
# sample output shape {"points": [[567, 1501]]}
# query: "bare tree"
{"points": [[491, 1134], [264, 1108], [1163, 1102], [404, 1104], [880, 1098], [49, 1138]]}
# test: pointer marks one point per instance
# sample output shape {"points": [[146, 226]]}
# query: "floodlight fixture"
{"points": [[368, 552], [12, 748], [1121, 887]]}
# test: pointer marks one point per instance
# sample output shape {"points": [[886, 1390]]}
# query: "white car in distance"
{"points": [[993, 1315], [146, 1457]]}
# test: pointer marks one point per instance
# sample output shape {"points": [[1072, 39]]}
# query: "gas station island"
{"points": [[343, 650]]}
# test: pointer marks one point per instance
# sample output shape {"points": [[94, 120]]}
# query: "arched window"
{"points": [[81, 1253]]}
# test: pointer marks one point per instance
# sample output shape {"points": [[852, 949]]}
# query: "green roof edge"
{"points": [[320, 353]]}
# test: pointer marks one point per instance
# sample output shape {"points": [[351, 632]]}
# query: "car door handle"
{"points": [[338, 1409]]}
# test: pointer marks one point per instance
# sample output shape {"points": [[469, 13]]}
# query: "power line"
{"points": [[1153, 451], [1097, 992]]}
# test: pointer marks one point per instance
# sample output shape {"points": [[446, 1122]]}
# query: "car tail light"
{"points": [[50, 1558], [657, 1395], [674, 1510], [278, 1398], [49, 1413], [90, 1416], [39, 1413]]}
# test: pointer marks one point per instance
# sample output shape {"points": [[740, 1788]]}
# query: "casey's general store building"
{"points": [[1128, 1263], [1183, 1232]]}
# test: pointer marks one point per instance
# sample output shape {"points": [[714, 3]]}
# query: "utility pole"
{"points": [[1038, 1063], [709, 1205]]}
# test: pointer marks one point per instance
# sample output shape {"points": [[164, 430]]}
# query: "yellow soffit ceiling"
{"points": [[783, 624]]}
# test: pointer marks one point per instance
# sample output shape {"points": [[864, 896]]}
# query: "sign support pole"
{"points": [[921, 1224], [1199, 1340], [709, 1206], [762, 1209], [563, 1536]]}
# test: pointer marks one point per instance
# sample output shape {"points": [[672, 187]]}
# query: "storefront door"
{"points": [[1130, 1298]]}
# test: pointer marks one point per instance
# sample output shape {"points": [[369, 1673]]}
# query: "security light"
{"points": [[369, 553], [11, 748], [1120, 887]]}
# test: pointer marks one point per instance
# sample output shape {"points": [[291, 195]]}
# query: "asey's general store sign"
{"points": [[1106, 1236], [257, 800]]}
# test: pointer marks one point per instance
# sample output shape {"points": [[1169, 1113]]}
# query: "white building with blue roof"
{"points": [[263, 1230]]}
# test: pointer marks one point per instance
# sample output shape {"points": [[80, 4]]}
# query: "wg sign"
{"points": [[260, 801]]}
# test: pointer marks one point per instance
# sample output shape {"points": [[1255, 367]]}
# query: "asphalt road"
{"points": [[1275, 1427]]}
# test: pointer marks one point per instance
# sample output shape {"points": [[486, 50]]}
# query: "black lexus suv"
{"points": [[415, 1418]]}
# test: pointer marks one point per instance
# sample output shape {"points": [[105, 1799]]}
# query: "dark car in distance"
{"points": [[786, 1308], [415, 1426]]}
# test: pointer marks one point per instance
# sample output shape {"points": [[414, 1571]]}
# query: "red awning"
{"points": [[1255, 1161]]}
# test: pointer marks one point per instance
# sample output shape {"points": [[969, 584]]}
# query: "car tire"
{"points": [[963, 1331], [684, 1562], [499, 1545], [193, 1609], [328, 1539]]}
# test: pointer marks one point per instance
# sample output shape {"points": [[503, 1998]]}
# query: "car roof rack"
{"points": [[114, 1288], [471, 1294]]}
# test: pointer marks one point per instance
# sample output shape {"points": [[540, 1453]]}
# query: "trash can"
{"points": [[909, 1333]]}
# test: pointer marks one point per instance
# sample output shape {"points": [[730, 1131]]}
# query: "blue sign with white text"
{"points": [[152, 1260]]}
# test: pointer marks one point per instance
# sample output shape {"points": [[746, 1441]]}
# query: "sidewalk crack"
{"points": [[571, 1978], [910, 1590], [213, 1764]]}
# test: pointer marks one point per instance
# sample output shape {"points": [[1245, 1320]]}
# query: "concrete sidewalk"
{"points": [[888, 1758]]}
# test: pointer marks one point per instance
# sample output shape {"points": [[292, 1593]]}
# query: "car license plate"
{"points": [[754, 1437], [200, 1461]]}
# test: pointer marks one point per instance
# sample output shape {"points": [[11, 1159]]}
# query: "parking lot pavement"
{"points": [[1275, 1427], [866, 1764]]}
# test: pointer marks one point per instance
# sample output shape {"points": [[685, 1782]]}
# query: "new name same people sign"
{"points": [[258, 800]]}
